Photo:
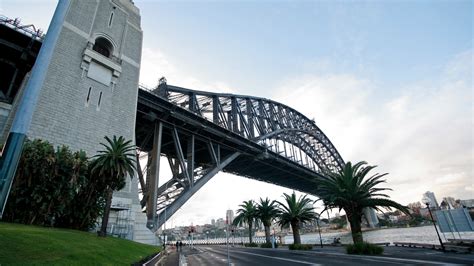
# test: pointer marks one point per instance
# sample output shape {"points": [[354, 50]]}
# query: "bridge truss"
{"points": [[202, 133]]}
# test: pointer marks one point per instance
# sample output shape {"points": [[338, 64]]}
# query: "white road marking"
{"points": [[182, 260], [388, 258]]}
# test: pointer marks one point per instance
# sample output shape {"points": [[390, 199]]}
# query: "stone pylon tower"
{"points": [[91, 91]]}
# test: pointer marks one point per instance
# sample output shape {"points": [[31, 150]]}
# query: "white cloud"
{"points": [[156, 64], [223, 192], [422, 137]]}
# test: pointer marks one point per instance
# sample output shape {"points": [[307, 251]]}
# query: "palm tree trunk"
{"points": [[105, 218], [250, 233], [267, 234], [356, 229], [296, 233]]}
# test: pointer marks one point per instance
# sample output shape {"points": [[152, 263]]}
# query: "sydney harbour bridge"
{"points": [[201, 133], [197, 133]]}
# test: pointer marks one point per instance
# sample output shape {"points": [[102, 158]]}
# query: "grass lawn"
{"points": [[22, 244]]}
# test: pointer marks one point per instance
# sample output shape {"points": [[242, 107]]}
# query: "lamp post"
{"points": [[318, 216], [207, 237], [164, 224], [427, 201], [273, 238], [319, 230]]}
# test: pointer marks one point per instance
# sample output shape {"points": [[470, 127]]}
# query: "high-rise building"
{"points": [[371, 217], [432, 199], [229, 216], [213, 222], [220, 223]]}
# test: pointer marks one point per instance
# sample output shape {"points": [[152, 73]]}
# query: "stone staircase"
{"points": [[140, 232]]}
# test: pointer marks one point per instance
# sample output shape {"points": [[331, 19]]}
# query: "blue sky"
{"points": [[254, 45], [389, 82]]}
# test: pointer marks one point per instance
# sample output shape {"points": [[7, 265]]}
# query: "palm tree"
{"points": [[112, 165], [267, 211], [246, 214], [295, 212], [348, 190]]}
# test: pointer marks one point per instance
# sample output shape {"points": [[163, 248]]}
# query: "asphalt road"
{"points": [[217, 255]]}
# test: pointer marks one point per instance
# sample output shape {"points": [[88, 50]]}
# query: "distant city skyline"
{"points": [[389, 82]]}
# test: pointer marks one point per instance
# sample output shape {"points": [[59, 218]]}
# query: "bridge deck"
{"points": [[255, 162]]}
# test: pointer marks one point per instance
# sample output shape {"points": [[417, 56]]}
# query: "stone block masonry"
{"points": [[91, 87]]}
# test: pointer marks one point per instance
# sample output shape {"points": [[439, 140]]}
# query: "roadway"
{"points": [[217, 255]]}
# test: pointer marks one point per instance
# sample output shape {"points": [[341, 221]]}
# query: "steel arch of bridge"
{"points": [[202, 133], [260, 120]]}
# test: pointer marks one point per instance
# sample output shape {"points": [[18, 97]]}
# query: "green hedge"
{"points": [[251, 245], [300, 247], [364, 248], [268, 245]]}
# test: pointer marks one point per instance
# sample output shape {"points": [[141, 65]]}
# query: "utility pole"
{"points": [[273, 239], [227, 239]]}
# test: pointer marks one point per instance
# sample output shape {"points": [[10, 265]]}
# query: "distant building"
{"points": [[229, 216], [469, 203], [199, 229], [393, 218], [213, 222], [431, 196], [415, 207], [371, 217], [449, 203], [220, 223]]}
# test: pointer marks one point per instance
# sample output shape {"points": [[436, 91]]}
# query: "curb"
{"points": [[155, 259]]}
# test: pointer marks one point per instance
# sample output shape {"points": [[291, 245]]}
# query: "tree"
{"points": [[112, 165], [295, 212], [267, 211], [51, 188], [247, 214], [347, 190]]}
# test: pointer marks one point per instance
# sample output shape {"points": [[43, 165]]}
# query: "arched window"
{"points": [[103, 47]]}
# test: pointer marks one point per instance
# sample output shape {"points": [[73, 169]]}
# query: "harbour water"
{"points": [[423, 234]]}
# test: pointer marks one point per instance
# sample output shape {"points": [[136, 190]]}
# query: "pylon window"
{"points": [[103, 47]]}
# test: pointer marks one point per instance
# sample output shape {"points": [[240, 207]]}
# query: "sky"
{"points": [[389, 82]]}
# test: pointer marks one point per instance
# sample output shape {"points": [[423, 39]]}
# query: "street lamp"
{"points": [[164, 224], [427, 201], [207, 237], [318, 216], [319, 229]]}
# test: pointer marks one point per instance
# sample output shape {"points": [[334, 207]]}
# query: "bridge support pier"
{"points": [[188, 192], [152, 190], [188, 174]]}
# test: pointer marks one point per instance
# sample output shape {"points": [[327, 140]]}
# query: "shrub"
{"points": [[300, 247], [364, 248], [251, 245], [53, 187], [268, 245]]}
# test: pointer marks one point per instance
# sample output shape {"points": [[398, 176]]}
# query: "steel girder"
{"points": [[271, 124], [188, 173], [202, 133]]}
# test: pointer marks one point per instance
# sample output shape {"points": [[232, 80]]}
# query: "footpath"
{"points": [[172, 256]]}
